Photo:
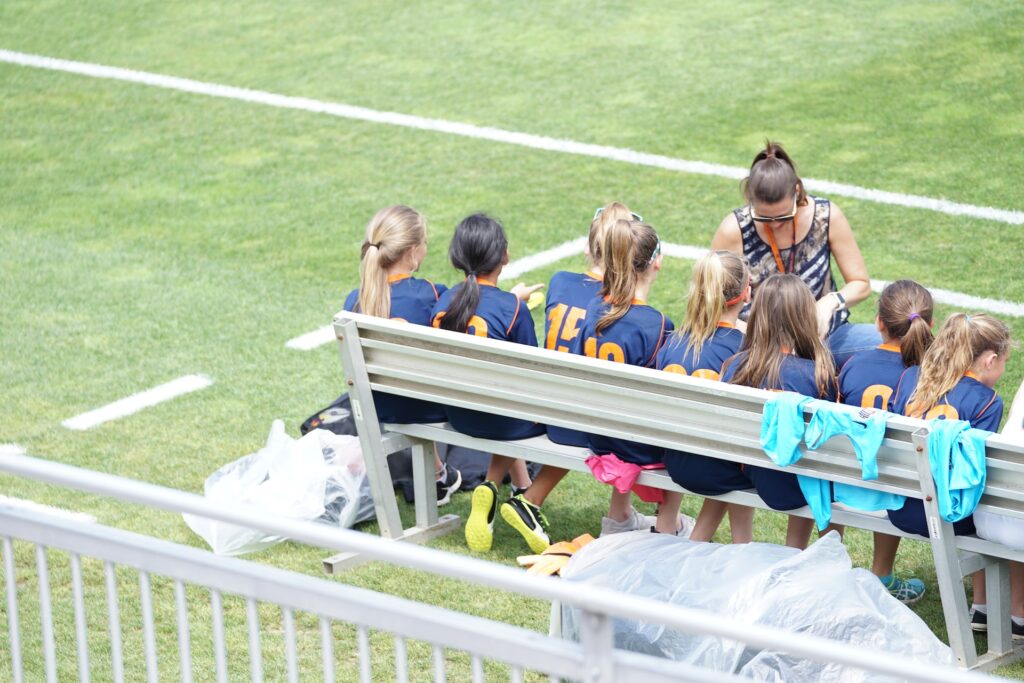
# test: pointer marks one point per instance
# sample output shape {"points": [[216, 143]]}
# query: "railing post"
{"points": [[597, 641]]}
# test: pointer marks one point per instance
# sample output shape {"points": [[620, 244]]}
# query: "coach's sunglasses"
{"points": [[774, 219], [637, 217]]}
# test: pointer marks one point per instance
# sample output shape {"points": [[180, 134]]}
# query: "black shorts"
{"points": [[703, 475], [911, 518]]}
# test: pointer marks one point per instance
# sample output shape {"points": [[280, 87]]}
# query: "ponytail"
{"points": [[630, 248], [773, 177], [960, 341], [605, 217], [390, 234], [720, 277], [478, 247], [905, 309]]}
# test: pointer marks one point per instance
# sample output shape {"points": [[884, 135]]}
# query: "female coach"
{"points": [[784, 230]]}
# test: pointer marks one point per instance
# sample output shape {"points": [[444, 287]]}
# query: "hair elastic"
{"points": [[910, 318], [736, 299], [967, 318], [375, 244]]}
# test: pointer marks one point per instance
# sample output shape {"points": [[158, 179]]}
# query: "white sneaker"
{"points": [[684, 530], [635, 522]]}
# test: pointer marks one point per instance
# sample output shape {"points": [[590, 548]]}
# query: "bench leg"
{"points": [[997, 587], [423, 483]]}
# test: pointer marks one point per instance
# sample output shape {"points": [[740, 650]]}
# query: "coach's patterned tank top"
{"points": [[812, 261]]}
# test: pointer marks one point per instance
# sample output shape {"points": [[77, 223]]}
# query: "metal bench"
{"points": [[683, 413]]}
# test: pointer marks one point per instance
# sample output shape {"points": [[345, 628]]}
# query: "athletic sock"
{"points": [[981, 609]]}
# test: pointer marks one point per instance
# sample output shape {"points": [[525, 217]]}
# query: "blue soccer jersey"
{"points": [[869, 378], [635, 339], [698, 473], [969, 400], [412, 301], [723, 344], [796, 374], [781, 490], [568, 296], [499, 315]]}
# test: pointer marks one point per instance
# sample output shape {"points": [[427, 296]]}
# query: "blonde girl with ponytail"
{"points": [[565, 308], [622, 328], [782, 351], [955, 382], [719, 288], [869, 379], [394, 247]]}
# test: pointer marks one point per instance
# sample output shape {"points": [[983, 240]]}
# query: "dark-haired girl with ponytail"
{"points": [[621, 327], [782, 229], [869, 379], [476, 306]]}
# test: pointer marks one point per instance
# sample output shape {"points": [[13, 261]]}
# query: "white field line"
{"points": [[11, 449], [311, 340], [324, 335], [496, 135], [136, 402], [40, 508]]}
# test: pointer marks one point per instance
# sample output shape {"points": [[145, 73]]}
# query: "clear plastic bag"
{"points": [[320, 477], [815, 592]]}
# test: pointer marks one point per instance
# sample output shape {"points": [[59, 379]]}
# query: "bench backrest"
{"points": [[665, 409]]}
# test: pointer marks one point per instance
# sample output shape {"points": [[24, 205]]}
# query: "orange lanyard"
{"points": [[775, 249]]}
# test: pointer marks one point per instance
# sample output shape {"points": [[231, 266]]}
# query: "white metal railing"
{"points": [[592, 659]]}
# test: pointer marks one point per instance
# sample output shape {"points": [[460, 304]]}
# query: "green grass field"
{"points": [[147, 234]]}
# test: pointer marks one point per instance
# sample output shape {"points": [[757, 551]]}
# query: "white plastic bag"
{"points": [[815, 591], [318, 477]]}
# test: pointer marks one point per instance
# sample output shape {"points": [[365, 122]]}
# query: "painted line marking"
{"points": [[496, 135], [311, 340], [11, 449], [136, 402], [40, 508], [325, 335]]}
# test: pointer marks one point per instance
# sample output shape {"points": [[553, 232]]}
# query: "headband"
{"points": [[736, 299]]}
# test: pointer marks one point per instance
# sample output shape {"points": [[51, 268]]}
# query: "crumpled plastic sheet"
{"points": [[320, 477], [814, 592]]}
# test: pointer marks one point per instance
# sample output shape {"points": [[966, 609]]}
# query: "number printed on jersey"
{"points": [[563, 326]]}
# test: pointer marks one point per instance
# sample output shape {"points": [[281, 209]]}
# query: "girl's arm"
{"points": [[1014, 427]]}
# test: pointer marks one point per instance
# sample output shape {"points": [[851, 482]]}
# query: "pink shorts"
{"points": [[622, 475]]}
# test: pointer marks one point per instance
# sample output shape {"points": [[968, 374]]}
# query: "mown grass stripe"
{"points": [[530, 140]]}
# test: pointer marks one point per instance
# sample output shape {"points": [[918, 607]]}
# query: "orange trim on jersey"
{"points": [[661, 340], [398, 276], [436, 296], [722, 323], [514, 316], [987, 406], [594, 276], [972, 376], [889, 347], [481, 281]]}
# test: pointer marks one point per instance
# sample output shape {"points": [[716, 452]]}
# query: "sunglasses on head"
{"points": [[637, 217], [774, 219], [654, 254]]}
